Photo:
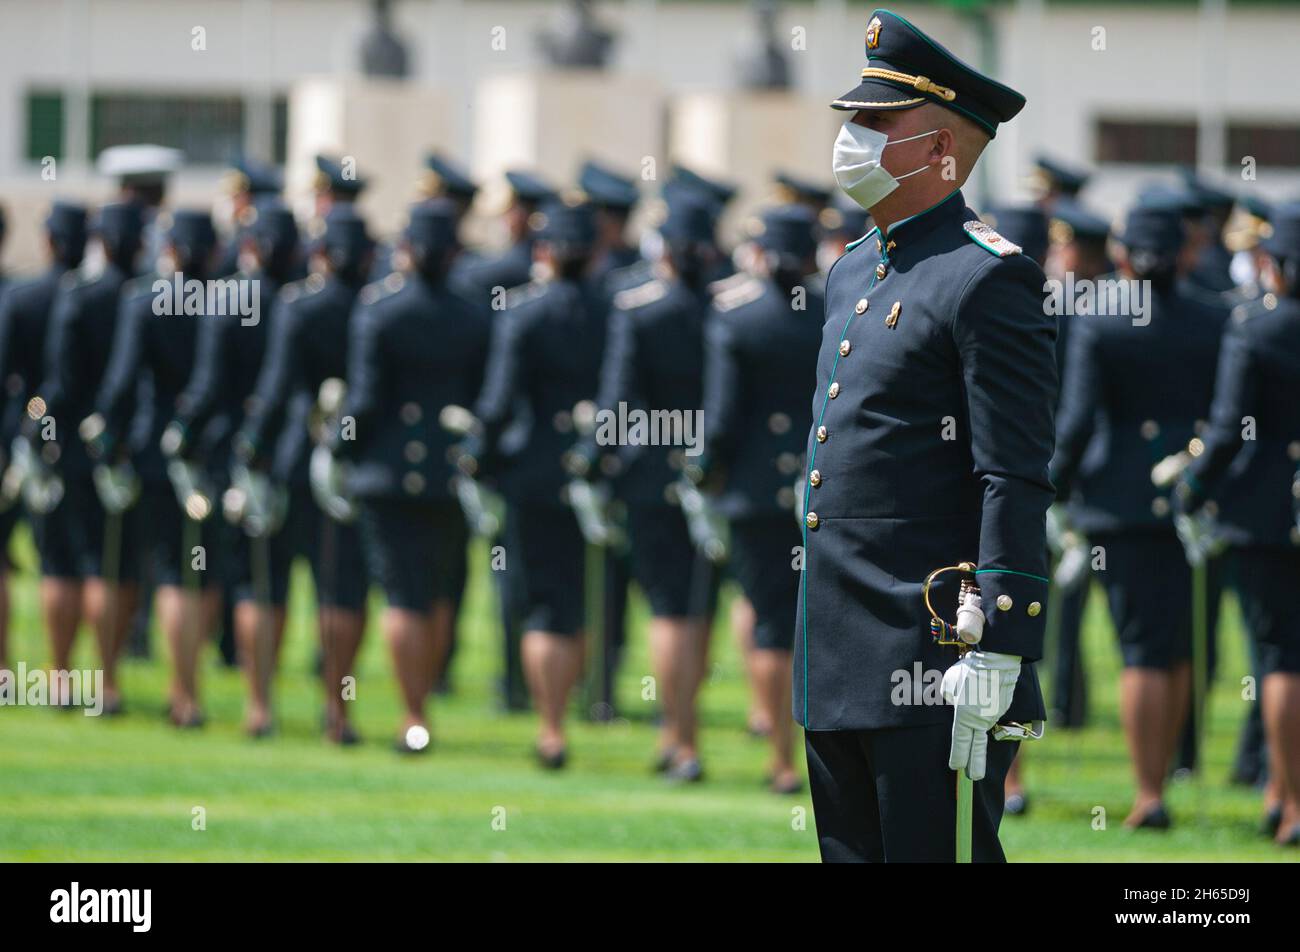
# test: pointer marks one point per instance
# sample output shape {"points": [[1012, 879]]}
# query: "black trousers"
{"points": [[887, 796]]}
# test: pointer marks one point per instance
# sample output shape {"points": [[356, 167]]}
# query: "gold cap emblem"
{"points": [[873, 33]]}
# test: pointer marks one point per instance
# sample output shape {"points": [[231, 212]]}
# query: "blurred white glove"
{"points": [[979, 687]]}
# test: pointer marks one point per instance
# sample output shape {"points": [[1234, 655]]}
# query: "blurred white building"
{"points": [[1130, 90]]}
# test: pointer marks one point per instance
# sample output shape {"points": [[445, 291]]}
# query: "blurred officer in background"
{"points": [[417, 346], [1212, 269], [246, 185], [1123, 412], [488, 277], [337, 183], [24, 324], [10, 410], [90, 554], [151, 362], [1051, 182], [840, 223], [762, 341], [1077, 253], [1241, 486], [614, 197], [654, 362], [230, 353], [309, 345], [546, 354]]}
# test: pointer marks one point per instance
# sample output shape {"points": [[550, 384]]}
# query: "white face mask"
{"points": [[857, 165]]}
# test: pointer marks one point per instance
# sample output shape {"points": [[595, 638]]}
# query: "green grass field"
{"points": [[78, 788]]}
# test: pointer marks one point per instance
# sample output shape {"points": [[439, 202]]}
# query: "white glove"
{"points": [[979, 687]]}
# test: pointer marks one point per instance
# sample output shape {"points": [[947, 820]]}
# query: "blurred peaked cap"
{"points": [[445, 177], [529, 187], [1071, 221], [906, 68], [802, 189], [345, 229], [606, 187], [1052, 176], [66, 220], [1160, 195], [1256, 206], [719, 192], [788, 230], [333, 176], [139, 163], [568, 223], [119, 221], [1024, 225], [690, 218], [248, 175], [191, 228], [275, 223], [844, 217], [1209, 195], [1155, 227], [675, 191], [1285, 240], [432, 224]]}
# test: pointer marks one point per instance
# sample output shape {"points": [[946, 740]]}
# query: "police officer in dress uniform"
{"points": [[1244, 480], [488, 276], [416, 347], [92, 554], [151, 362], [1123, 412], [247, 184], [546, 355], [1212, 270], [230, 352], [9, 412], [1051, 181], [654, 362], [932, 432], [309, 342], [24, 323], [762, 339]]}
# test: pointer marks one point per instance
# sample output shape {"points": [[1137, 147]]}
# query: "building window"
{"points": [[209, 129], [1276, 144], [44, 125], [1146, 141]]}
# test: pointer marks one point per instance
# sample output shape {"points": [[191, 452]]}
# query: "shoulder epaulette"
{"points": [[730, 281], [378, 290], [641, 295], [732, 298], [983, 235], [524, 292]]}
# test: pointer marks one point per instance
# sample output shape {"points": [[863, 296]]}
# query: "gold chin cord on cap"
{"points": [[941, 631]]}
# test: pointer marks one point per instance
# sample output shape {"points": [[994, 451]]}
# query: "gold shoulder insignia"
{"points": [[641, 295], [983, 235], [729, 282], [732, 298]]}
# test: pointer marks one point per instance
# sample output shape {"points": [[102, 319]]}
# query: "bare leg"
{"points": [[259, 631], [109, 607], [552, 666], [61, 606], [4, 617], [773, 684], [1152, 726], [666, 637], [742, 626], [341, 633], [444, 630], [185, 617], [411, 644], [1281, 700]]}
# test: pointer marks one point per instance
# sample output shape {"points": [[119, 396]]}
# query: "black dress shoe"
{"points": [[1017, 804], [665, 760], [1157, 818], [346, 736], [261, 732], [786, 789], [1292, 838], [114, 708], [556, 760], [1272, 820], [688, 771], [193, 722]]}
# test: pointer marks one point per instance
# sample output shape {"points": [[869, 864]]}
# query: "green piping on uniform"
{"points": [[1011, 572]]}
